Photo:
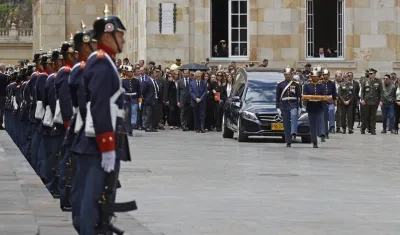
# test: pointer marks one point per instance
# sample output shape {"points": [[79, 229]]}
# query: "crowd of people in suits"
{"points": [[174, 97]]}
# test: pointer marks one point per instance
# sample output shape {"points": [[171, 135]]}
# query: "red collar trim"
{"points": [[68, 65], [106, 49], [81, 58]]}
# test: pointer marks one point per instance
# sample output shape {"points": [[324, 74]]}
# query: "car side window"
{"points": [[241, 90], [238, 85]]}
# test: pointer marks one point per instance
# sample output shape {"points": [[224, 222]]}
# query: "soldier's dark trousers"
{"points": [[369, 117], [316, 120], [93, 179], [148, 115], [286, 115], [157, 115], [65, 193], [346, 116], [128, 116], [140, 117], [52, 147], [26, 139], [77, 190], [354, 108]]}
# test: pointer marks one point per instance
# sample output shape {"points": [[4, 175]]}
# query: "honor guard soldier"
{"points": [[329, 106], [288, 98], [63, 115], [371, 91], [8, 105], [24, 115], [85, 45], [52, 137], [132, 93], [104, 138], [313, 93], [347, 97], [16, 100], [31, 86]]}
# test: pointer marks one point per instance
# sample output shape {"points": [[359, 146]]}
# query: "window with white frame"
{"points": [[229, 27], [325, 29]]}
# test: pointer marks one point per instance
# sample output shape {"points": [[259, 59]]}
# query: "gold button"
{"points": [[104, 140]]}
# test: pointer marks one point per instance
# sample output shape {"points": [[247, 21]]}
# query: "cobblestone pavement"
{"points": [[191, 184]]}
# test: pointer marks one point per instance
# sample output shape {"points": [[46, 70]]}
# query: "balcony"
{"points": [[15, 35]]}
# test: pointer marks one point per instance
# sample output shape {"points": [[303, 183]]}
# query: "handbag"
{"points": [[217, 96]]}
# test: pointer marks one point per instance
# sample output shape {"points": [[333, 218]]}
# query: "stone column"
{"points": [[200, 36]]}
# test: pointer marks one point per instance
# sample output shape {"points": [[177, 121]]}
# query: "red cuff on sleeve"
{"points": [[66, 124], [106, 141]]}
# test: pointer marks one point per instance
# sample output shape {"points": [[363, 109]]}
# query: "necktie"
{"points": [[186, 82], [198, 84]]}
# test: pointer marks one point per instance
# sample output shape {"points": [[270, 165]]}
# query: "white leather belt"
{"points": [[131, 93], [289, 98], [75, 110]]}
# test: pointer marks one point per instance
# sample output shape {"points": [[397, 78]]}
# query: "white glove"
{"points": [[303, 109], [140, 106], [108, 161], [299, 112], [279, 112], [335, 108]]}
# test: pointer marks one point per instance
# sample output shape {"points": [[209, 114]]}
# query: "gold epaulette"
{"points": [[83, 64], [100, 54]]}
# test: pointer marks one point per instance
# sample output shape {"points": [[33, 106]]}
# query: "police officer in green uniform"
{"points": [[347, 98], [371, 91]]}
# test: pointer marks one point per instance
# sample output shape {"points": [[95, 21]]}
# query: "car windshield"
{"points": [[260, 92]]}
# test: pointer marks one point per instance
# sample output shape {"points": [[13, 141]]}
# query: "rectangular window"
{"points": [[325, 29], [238, 37]]}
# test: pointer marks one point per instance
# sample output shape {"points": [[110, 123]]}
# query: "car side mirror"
{"points": [[235, 99]]}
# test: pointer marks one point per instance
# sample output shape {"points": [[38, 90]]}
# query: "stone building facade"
{"points": [[276, 29]]}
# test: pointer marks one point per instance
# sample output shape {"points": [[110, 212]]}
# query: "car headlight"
{"points": [[303, 117], [249, 115]]}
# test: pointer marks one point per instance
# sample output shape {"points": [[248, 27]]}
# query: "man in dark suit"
{"points": [[142, 77], [3, 86], [150, 92], [198, 92], [184, 99], [356, 90]]}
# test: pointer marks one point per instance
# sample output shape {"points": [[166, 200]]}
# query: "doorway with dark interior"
{"points": [[219, 23], [325, 25]]}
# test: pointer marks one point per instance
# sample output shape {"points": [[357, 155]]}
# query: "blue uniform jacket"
{"points": [[148, 92], [291, 96], [198, 92], [314, 89], [63, 95], [48, 101], [329, 89], [101, 82], [32, 93], [79, 100], [39, 90], [132, 90]]}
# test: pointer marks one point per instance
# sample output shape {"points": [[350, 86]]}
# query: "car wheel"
{"points": [[240, 137], [226, 132], [306, 139]]}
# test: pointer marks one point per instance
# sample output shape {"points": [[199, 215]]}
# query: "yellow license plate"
{"points": [[277, 126]]}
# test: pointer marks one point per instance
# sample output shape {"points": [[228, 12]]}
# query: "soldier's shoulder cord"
{"points": [[67, 69]]}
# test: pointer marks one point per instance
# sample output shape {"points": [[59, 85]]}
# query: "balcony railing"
{"points": [[15, 35]]}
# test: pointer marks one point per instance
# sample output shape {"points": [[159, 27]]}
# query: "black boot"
{"points": [[315, 145]]}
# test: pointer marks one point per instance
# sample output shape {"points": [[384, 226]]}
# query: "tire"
{"points": [[226, 132], [240, 136], [306, 139]]}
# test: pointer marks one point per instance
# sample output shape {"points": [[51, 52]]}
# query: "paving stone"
{"points": [[204, 184]]}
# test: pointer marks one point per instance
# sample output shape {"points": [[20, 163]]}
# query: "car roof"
{"points": [[265, 75]]}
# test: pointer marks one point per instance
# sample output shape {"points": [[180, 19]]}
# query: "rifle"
{"points": [[108, 207]]}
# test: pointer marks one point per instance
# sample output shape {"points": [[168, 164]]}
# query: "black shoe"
{"points": [[332, 130], [185, 129], [66, 208], [154, 130], [344, 131], [384, 131], [130, 134], [322, 138], [363, 132], [148, 130], [338, 130], [202, 131], [327, 136], [315, 145], [288, 145], [294, 136], [351, 131], [373, 133]]}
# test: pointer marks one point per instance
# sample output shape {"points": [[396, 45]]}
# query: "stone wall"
{"points": [[55, 20]]}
